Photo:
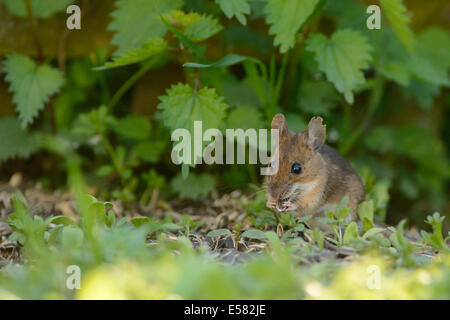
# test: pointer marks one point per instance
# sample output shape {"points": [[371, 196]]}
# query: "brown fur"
{"points": [[325, 179]]}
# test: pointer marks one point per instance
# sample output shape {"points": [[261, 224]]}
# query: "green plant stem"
{"points": [[129, 83], [280, 81], [112, 154], [34, 30], [374, 100]]}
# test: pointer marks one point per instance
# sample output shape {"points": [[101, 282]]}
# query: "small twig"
{"points": [[154, 199], [62, 52], [374, 100], [34, 31], [129, 83]]}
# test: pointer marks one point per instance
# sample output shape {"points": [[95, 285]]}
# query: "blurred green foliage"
{"points": [[383, 93], [110, 106], [116, 262]]}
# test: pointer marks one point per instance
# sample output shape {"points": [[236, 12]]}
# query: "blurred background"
{"points": [[395, 132]]}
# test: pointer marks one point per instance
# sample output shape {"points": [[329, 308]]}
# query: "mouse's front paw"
{"points": [[271, 204]]}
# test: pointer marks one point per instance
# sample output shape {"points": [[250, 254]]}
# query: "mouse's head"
{"points": [[299, 166]]}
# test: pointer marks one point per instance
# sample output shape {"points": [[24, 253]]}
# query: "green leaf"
{"points": [[203, 29], [304, 219], [435, 239], [98, 212], [396, 13], [238, 8], [245, 117], [137, 21], [342, 210], [182, 106], [110, 219], [131, 126], [181, 19], [365, 213], [370, 233], [139, 221], [149, 151], [196, 27], [318, 237], [254, 234], [188, 42], [423, 92], [430, 61], [105, 170], [228, 60], [397, 71], [72, 237], [286, 18], [149, 49], [402, 245], [64, 220], [351, 233], [40, 8], [194, 186], [93, 122], [437, 43], [342, 58], [16, 142], [218, 233], [317, 97], [32, 85]]}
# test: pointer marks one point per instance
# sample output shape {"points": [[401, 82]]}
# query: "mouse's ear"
{"points": [[315, 133], [279, 122]]}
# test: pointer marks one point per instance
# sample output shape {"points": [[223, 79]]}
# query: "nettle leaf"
{"points": [[430, 62], [238, 8], [182, 106], [194, 186], [131, 126], [195, 26], [40, 8], [181, 19], [437, 41], [396, 13], [149, 49], [342, 58], [286, 18], [149, 151], [138, 20], [32, 85], [16, 142], [397, 71], [203, 29], [423, 92]]}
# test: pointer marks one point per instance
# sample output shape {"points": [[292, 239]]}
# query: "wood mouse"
{"points": [[312, 177]]}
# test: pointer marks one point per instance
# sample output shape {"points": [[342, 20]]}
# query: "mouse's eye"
{"points": [[296, 168]]}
